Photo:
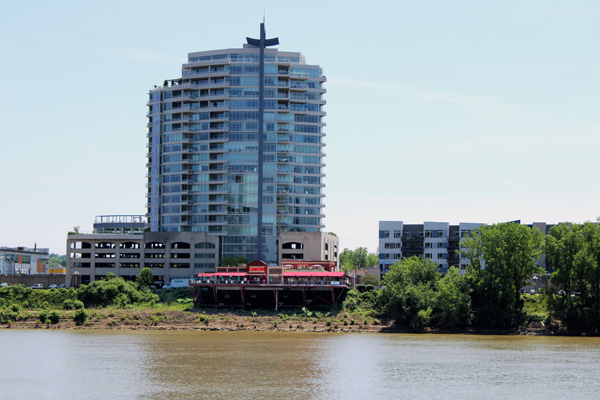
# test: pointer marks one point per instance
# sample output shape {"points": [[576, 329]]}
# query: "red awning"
{"points": [[312, 274], [222, 274]]}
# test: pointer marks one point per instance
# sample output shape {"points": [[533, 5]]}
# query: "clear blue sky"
{"points": [[472, 111]]}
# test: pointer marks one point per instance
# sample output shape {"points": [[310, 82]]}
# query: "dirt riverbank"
{"points": [[235, 320], [206, 320]]}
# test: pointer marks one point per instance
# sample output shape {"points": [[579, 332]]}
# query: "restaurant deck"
{"points": [[289, 289]]}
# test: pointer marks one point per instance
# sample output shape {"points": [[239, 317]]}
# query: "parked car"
{"points": [[37, 286], [53, 286], [3, 284], [62, 286]]}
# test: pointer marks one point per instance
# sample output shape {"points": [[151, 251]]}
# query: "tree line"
{"points": [[488, 295], [358, 258]]}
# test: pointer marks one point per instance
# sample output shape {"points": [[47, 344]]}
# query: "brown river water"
{"points": [[63, 364]]}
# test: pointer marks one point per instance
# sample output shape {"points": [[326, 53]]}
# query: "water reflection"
{"points": [[236, 364], [181, 365]]}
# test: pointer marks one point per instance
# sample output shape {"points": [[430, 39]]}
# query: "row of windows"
{"points": [[440, 256], [245, 57], [434, 234], [388, 256], [398, 256], [137, 245], [298, 220], [383, 234], [269, 81], [254, 69], [249, 162], [249, 129], [440, 245], [232, 93]]}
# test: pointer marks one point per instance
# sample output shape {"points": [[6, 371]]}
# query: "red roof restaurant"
{"points": [[257, 285]]}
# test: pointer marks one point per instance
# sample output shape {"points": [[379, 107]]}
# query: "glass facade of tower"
{"points": [[203, 149]]}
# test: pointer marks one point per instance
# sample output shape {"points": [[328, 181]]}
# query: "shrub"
{"points": [[68, 304], [80, 316], [535, 316], [203, 318], [8, 316], [365, 287], [26, 316], [114, 292], [356, 300], [54, 317], [26, 298], [168, 296], [43, 316]]}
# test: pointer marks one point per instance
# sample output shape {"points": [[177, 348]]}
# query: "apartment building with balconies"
{"points": [[205, 155]]}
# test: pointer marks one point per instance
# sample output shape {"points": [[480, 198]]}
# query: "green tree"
{"points": [[563, 243], [409, 293], [369, 279], [590, 262], [56, 261], [358, 258], [234, 261], [453, 303], [373, 260], [346, 260], [502, 257], [145, 279], [573, 252]]}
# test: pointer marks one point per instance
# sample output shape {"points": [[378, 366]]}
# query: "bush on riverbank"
{"points": [[114, 292], [34, 299], [168, 296], [111, 292]]}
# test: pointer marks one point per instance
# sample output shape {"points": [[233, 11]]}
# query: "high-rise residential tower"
{"points": [[205, 155]]}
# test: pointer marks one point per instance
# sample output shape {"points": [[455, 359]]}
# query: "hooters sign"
{"points": [[257, 267]]}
